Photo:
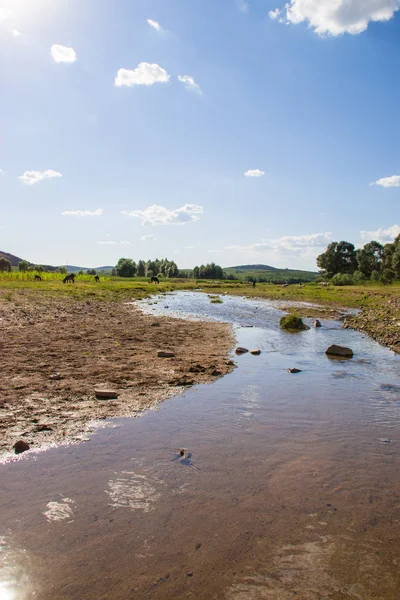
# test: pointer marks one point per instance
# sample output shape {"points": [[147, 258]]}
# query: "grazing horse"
{"points": [[69, 278], [155, 280], [37, 278], [96, 278]]}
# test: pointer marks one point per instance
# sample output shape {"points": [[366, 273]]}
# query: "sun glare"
{"points": [[6, 592]]}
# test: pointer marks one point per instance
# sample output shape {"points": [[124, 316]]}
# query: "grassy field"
{"points": [[379, 316]]}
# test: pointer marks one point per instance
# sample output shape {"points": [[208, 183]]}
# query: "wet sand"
{"points": [[91, 345]]}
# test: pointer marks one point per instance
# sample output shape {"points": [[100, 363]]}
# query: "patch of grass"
{"points": [[216, 300], [292, 322]]}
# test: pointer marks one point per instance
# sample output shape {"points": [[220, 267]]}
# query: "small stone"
{"points": [[197, 547], [55, 376], [317, 323], [294, 370], [340, 351], [189, 574], [155, 324], [255, 352], [240, 350], [20, 447], [165, 354], [106, 394]]}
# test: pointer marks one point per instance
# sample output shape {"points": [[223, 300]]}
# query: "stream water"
{"points": [[289, 487]]}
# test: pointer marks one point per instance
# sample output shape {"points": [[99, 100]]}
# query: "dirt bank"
{"points": [[93, 344], [380, 319]]}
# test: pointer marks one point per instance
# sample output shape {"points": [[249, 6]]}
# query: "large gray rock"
{"points": [[340, 351], [317, 323]]}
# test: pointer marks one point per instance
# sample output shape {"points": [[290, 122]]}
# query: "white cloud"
{"points": [[336, 17], [125, 243], [190, 247], [242, 5], [384, 236], [303, 246], [2, 172], [159, 215], [154, 24], [144, 74], [254, 173], [393, 181], [32, 177], [62, 54], [145, 238], [16, 33], [274, 14], [190, 83], [83, 213]]}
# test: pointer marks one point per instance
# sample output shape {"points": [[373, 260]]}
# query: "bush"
{"points": [[358, 277], [375, 276], [387, 276], [292, 323], [342, 279]]}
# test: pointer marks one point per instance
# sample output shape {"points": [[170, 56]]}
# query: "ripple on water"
{"points": [[134, 491]]}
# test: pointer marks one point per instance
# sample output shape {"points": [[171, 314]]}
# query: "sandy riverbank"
{"points": [[93, 344]]}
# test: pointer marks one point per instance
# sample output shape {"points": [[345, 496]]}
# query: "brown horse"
{"points": [[37, 278], [96, 278]]}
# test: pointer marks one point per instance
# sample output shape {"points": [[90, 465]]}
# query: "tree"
{"points": [[370, 258], [396, 263], [126, 267], [196, 273], [141, 268], [5, 264], [91, 272], [62, 270], [210, 271], [339, 257], [23, 265], [387, 276], [38, 268]]}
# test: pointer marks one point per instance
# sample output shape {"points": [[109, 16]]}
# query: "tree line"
{"points": [[344, 265]]}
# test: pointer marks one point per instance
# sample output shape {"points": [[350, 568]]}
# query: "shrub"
{"points": [[342, 279], [358, 277], [375, 276], [387, 276], [292, 323]]}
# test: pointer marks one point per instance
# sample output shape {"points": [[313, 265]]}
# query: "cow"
{"points": [[69, 278], [96, 279], [155, 280], [37, 278]]}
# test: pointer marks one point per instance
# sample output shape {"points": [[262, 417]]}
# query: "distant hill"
{"points": [[265, 273], [14, 260], [252, 268]]}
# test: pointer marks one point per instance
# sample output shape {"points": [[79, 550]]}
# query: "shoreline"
{"points": [[54, 354]]}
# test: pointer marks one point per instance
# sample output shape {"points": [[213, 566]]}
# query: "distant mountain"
{"points": [[252, 268], [75, 269], [15, 260]]}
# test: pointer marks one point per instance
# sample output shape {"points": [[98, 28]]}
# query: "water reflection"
{"points": [[14, 581]]}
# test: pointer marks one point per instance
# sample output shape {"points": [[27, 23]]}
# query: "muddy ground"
{"points": [[92, 344]]}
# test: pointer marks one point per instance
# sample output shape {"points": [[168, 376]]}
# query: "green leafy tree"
{"points": [[62, 270], [196, 273], [396, 263], [141, 268], [370, 258], [387, 276], [5, 264], [91, 272], [126, 267], [375, 276], [339, 257], [23, 265]]}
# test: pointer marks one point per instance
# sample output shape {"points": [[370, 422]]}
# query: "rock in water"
{"points": [[340, 351], [317, 323], [255, 352], [241, 350], [20, 447], [294, 370], [165, 354], [106, 394]]}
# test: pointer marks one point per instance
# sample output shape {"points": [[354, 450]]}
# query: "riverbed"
{"points": [[288, 488]]}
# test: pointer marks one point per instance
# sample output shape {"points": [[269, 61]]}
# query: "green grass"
{"points": [[292, 322]]}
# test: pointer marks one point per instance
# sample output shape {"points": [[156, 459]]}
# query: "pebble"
{"points": [[164, 354], [106, 394]]}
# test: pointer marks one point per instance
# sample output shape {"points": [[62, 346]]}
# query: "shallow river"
{"points": [[289, 488]]}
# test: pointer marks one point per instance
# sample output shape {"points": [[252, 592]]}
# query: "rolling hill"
{"points": [[265, 273]]}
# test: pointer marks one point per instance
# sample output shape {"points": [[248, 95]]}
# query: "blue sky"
{"points": [[230, 131]]}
